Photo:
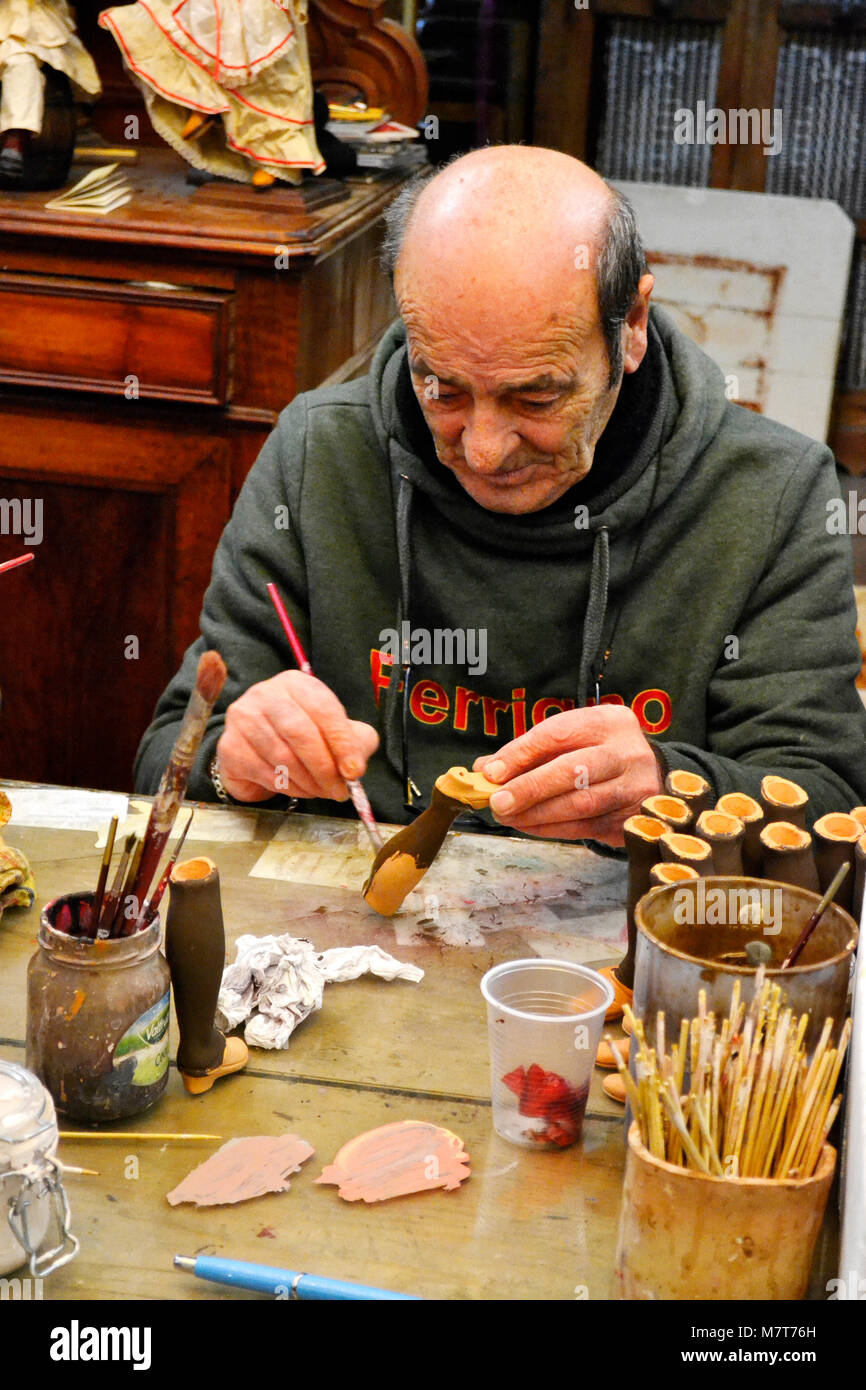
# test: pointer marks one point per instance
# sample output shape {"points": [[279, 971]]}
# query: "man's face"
{"points": [[515, 407]]}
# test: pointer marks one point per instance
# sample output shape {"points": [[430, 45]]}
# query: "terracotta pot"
{"points": [[725, 835], [671, 809], [685, 1236], [687, 849], [859, 814], [692, 936], [695, 791], [751, 813], [835, 837], [788, 856], [783, 800]]}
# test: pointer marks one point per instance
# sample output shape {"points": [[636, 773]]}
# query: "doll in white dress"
{"points": [[35, 34], [227, 82]]}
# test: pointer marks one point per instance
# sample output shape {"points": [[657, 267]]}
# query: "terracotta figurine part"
{"points": [[397, 1159], [243, 1168], [688, 849], [671, 809], [642, 835], [835, 837], [663, 874], [403, 860], [784, 800], [788, 856], [725, 834], [695, 791], [751, 813], [195, 948], [859, 878]]}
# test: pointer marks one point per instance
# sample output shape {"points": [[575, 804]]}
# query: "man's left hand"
{"points": [[574, 776]]}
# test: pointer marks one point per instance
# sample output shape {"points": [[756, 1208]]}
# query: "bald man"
{"points": [[537, 538]]}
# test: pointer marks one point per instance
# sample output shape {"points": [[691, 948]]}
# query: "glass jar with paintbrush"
{"points": [[99, 988]]}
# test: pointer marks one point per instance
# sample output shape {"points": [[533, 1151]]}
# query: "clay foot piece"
{"points": [[622, 995], [403, 861], [605, 1055], [235, 1057]]}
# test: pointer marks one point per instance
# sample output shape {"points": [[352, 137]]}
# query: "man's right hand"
{"points": [[290, 734]]}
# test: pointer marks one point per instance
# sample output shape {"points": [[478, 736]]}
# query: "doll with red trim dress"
{"points": [[227, 83]]}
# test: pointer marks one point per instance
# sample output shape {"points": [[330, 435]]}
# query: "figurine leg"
{"points": [[195, 950], [197, 124], [22, 100]]}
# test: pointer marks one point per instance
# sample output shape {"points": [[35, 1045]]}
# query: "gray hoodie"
{"points": [[691, 576]]}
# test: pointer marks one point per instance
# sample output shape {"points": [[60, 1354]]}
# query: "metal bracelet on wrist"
{"points": [[214, 774]]}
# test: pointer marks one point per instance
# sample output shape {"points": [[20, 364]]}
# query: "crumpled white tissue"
{"points": [[278, 981]]}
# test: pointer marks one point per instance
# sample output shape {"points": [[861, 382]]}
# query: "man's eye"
{"points": [[538, 404]]}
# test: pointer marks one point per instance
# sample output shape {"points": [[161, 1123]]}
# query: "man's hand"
{"points": [[291, 734], [574, 776]]}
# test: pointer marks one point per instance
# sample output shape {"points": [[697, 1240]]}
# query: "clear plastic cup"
{"points": [[544, 1022]]}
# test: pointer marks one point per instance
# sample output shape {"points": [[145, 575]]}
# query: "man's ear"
{"points": [[635, 327]]}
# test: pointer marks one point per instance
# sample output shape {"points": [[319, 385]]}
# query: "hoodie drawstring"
{"points": [[596, 611]]}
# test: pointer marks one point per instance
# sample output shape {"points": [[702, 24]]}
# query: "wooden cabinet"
{"points": [[144, 358]]}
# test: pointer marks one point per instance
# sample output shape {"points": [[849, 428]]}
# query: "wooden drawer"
{"points": [[135, 340]]}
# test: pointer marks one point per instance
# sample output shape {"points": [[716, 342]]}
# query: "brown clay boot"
{"points": [[195, 949]]}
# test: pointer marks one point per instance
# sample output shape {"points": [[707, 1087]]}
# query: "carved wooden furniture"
{"points": [[144, 358]]}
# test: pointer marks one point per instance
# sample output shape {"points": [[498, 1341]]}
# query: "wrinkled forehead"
{"points": [[496, 333]]}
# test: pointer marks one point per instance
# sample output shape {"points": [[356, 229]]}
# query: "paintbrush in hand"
{"points": [[209, 681], [360, 800], [19, 560]]}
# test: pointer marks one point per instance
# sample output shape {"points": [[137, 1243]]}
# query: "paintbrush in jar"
{"points": [[103, 878], [360, 800], [113, 896], [209, 681], [797, 949], [149, 910]]}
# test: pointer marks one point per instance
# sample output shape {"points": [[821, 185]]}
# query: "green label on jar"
{"points": [[145, 1043]]}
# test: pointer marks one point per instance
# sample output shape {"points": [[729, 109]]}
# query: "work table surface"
{"points": [[526, 1225]]}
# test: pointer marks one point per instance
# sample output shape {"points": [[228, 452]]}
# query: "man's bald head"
{"points": [[522, 310], [511, 218]]}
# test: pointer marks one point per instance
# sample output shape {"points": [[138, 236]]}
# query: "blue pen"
{"points": [[279, 1283]]}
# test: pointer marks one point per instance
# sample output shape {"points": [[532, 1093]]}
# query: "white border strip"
{"points": [[852, 1259]]}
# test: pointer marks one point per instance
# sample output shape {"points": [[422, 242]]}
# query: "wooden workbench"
{"points": [[526, 1225]]}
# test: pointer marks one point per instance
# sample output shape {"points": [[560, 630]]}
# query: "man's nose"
{"points": [[488, 440]]}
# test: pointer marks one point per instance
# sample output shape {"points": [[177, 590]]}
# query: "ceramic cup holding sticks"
{"points": [[544, 1023]]}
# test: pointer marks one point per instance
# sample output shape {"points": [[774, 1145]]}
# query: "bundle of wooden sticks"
{"points": [[128, 905], [755, 1106]]}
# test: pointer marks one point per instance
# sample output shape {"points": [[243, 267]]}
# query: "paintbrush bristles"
{"points": [[210, 677]]}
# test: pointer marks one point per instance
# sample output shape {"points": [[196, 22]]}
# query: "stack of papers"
{"points": [[100, 192]]}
